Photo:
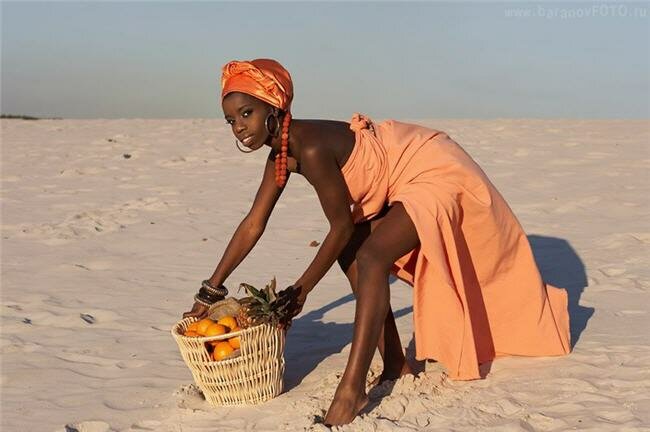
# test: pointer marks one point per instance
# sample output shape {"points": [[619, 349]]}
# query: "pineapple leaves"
{"points": [[270, 291], [258, 295], [263, 306]]}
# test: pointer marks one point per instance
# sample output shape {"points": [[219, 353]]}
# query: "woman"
{"points": [[399, 198]]}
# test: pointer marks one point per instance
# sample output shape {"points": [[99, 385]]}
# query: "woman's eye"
{"points": [[246, 113], [229, 122]]}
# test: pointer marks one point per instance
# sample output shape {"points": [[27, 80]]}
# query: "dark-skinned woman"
{"points": [[400, 199]]}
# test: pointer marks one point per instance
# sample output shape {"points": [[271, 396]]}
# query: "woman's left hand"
{"points": [[295, 299]]}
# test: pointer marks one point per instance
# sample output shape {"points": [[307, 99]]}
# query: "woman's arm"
{"points": [[248, 232], [321, 170]]}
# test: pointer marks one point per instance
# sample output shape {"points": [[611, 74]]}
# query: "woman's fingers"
{"points": [[198, 311], [289, 299]]}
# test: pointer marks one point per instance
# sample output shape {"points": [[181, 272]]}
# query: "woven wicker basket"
{"points": [[252, 376]]}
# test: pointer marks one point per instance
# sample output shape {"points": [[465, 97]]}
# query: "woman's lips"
{"points": [[247, 140]]}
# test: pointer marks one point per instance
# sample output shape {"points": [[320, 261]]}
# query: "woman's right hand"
{"points": [[198, 311]]}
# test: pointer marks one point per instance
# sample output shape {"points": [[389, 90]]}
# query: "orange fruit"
{"points": [[202, 326], [235, 342], [222, 350], [228, 321], [215, 330], [194, 326], [191, 333]]}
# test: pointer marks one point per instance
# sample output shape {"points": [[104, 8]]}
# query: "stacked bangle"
{"points": [[221, 291], [209, 294], [198, 300]]}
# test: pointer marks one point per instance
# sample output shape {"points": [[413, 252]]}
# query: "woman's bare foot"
{"points": [[345, 407], [392, 372]]}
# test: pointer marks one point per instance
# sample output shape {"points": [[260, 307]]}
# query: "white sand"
{"points": [[87, 231]]}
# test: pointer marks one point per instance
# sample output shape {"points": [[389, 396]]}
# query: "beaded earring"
{"points": [[281, 159]]}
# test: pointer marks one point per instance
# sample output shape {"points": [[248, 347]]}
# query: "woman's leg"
{"points": [[389, 345], [392, 238]]}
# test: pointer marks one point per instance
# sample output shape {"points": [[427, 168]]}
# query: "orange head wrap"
{"points": [[267, 80], [264, 79]]}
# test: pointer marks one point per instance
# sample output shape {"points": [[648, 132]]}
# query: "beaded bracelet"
{"points": [[198, 300]]}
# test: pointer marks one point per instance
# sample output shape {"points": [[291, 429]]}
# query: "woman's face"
{"points": [[246, 116]]}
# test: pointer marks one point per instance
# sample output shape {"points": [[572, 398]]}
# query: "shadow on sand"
{"points": [[558, 263], [319, 340], [561, 266]]}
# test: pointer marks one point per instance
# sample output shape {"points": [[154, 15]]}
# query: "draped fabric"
{"points": [[477, 291]]}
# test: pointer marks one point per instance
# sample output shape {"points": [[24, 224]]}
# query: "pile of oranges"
{"points": [[220, 349]]}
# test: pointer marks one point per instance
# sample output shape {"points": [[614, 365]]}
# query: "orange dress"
{"points": [[477, 291]]}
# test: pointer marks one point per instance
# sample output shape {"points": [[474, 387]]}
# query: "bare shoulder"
{"points": [[326, 140], [317, 160], [323, 143]]}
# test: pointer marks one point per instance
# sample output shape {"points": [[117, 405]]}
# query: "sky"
{"points": [[385, 59]]}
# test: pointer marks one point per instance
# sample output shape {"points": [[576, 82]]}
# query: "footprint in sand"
{"points": [[630, 312], [98, 265], [191, 397], [616, 416], [147, 425], [78, 172], [394, 408], [612, 271], [118, 137], [641, 237], [94, 222], [501, 407], [87, 426], [86, 359], [541, 422], [176, 162]]}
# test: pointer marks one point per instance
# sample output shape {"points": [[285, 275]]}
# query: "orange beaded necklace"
{"points": [[281, 159]]}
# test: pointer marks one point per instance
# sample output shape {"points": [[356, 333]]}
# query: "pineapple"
{"points": [[264, 306]]}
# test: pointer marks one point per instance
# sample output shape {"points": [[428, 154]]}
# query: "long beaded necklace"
{"points": [[281, 159]]}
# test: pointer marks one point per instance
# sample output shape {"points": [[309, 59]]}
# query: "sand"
{"points": [[108, 227]]}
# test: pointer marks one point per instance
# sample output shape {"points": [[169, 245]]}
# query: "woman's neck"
{"points": [[295, 133]]}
